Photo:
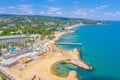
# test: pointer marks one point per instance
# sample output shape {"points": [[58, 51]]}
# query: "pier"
{"points": [[67, 43]]}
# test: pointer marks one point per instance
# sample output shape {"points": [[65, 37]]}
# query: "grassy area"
{"points": [[3, 76]]}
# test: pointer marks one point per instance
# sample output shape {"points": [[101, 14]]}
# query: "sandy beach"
{"points": [[58, 35], [40, 68]]}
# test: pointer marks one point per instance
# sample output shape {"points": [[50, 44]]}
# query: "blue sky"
{"points": [[92, 9]]}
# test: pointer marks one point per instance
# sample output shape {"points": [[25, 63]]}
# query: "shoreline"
{"points": [[40, 67], [58, 35]]}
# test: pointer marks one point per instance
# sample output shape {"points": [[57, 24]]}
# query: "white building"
{"points": [[13, 39]]}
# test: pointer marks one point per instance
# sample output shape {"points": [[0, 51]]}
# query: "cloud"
{"points": [[107, 14], [96, 9], [2, 10], [42, 13], [111, 15], [89, 12], [10, 7], [24, 6], [26, 9], [80, 12], [101, 7], [98, 12], [52, 11], [59, 13]]}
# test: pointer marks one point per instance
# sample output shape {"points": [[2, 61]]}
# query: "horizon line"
{"points": [[61, 17]]}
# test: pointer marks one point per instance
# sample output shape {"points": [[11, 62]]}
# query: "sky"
{"points": [[90, 9]]}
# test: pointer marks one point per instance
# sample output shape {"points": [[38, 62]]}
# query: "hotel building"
{"points": [[13, 39]]}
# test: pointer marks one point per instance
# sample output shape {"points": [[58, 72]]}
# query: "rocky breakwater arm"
{"points": [[76, 59]]}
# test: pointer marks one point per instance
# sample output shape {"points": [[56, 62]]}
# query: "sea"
{"points": [[100, 48]]}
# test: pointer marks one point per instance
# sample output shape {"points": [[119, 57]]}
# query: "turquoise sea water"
{"points": [[101, 48]]}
